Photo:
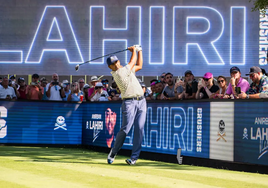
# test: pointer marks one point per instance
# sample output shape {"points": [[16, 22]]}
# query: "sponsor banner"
{"points": [[222, 131], [168, 127], [40, 122], [251, 133]]}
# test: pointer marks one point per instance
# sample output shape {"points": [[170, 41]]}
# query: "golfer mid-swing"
{"points": [[134, 104]]}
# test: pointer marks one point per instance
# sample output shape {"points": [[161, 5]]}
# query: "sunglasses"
{"points": [[73, 85], [105, 83], [81, 82], [205, 79], [98, 87], [220, 81], [162, 76]]}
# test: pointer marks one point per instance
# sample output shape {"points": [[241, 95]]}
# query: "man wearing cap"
{"points": [[236, 81], [67, 91], [105, 84], [22, 89], [191, 85], [207, 87], [134, 105], [100, 95], [35, 91], [259, 87]]}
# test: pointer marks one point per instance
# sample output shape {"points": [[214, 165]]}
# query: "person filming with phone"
{"points": [[55, 91], [34, 91], [237, 84], [76, 94]]}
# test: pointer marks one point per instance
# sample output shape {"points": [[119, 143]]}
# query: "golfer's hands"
{"points": [[131, 48], [138, 47]]}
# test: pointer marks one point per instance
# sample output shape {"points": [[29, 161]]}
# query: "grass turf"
{"points": [[74, 167]]}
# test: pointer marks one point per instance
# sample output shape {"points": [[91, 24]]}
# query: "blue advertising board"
{"points": [[251, 133], [168, 126], [40, 123]]}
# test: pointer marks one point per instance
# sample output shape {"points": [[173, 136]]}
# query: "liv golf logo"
{"points": [[3, 125]]}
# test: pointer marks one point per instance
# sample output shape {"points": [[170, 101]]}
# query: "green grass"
{"points": [[39, 167]]}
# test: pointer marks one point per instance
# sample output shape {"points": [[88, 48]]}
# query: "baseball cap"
{"points": [[35, 76], [12, 77], [111, 60], [208, 75], [94, 78], [188, 72], [99, 84], [236, 69], [20, 79], [86, 86], [142, 84], [254, 69], [104, 80], [65, 82], [43, 79]]}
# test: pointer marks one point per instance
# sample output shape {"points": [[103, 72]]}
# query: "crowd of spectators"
{"points": [[166, 88]]}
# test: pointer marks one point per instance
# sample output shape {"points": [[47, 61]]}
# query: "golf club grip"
{"points": [[103, 56]]}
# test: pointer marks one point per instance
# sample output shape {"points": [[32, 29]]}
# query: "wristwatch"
{"points": [[247, 97]]}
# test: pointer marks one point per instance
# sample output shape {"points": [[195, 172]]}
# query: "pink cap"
{"points": [[208, 75]]}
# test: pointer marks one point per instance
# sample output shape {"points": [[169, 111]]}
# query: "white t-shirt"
{"points": [[103, 96], [54, 93], [127, 82], [9, 91]]}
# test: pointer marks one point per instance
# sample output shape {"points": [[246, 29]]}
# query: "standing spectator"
{"points": [[7, 92], [54, 89], [158, 88], [13, 81], [162, 77], [170, 92], [35, 91], [75, 93], [22, 89], [100, 95], [43, 83], [207, 87], [191, 85], [67, 91], [236, 81], [92, 91], [259, 86], [223, 88], [81, 82], [85, 91], [105, 84]]}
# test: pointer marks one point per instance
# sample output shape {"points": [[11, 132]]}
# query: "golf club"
{"points": [[77, 66]]}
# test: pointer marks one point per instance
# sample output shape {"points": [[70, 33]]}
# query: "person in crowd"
{"points": [[113, 92], [7, 92], [22, 88], [264, 72], [1, 79], [76, 94], [158, 88], [43, 83], [236, 81], [170, 92], [54, 89], [13, 81], [92, 91], [259, 87], [206, 87], [81, 82], [223, 88], [34, 91], [101, 94], [105, 84], [162, 77], [67, 91], [85, 91], [191, 85]]}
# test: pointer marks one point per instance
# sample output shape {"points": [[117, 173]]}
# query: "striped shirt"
{"points": [[127, 82]]}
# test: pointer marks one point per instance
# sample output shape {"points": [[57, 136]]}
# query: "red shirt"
{"points": [[22, 93]]}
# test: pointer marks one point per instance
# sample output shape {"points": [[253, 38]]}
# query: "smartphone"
{"points": [[55, 83], [179, 79], [238, 90]]}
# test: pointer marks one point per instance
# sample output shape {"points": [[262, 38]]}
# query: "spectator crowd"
{"points": [[166, 88]]}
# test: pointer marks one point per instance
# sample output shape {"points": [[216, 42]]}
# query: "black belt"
{"points": [[134, 98]]}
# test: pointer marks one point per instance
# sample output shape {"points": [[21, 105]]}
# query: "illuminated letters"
{"points": [[54, 15]]}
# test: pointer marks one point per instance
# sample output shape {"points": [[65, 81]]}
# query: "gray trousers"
{"points": [[133, 112]]}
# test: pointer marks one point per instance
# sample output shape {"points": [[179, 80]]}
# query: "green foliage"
{"points": [[260, 5]]}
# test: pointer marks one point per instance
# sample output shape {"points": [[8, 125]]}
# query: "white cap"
{"points": [[86, 86], [94, 79], [99, 84], [65, 82]]}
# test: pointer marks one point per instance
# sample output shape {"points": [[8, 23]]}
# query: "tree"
{"points": [[260, 5]]}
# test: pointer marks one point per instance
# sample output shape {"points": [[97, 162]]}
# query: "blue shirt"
{"points": [[45, 95], [76, 97], [66, 95]]}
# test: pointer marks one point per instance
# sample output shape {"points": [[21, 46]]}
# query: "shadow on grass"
{"points": [[76, 155]]}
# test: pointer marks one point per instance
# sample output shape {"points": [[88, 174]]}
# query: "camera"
{"points": [[34, 83], [55, 83]]}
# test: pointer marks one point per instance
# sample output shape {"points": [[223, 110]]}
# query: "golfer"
{"points": [[134, 104]]}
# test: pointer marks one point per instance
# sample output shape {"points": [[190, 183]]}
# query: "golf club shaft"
{"points": [[103, 56]]}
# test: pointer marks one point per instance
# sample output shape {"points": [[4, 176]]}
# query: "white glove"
{"points": [[138, 47]]}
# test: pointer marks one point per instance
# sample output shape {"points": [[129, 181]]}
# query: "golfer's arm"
{"points": [[133, 60], [139, 62]]}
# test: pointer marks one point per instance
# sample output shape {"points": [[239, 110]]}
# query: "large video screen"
{"points": [[53, 36]]}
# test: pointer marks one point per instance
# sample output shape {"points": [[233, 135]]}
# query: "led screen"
{"points": [[53, 36]]}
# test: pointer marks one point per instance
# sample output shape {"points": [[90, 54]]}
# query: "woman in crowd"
{"points": [[206, 87], [223, 88], [76, 94]]}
